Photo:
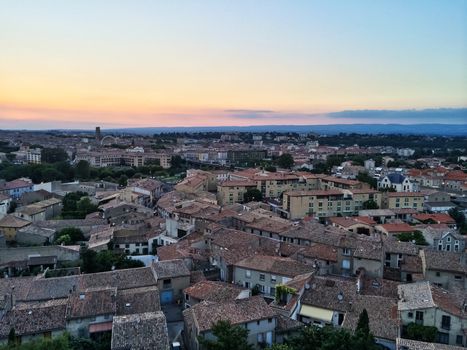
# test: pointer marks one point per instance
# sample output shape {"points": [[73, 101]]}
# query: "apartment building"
{"points": [[403, 200], [113, 157], [326, 203]]}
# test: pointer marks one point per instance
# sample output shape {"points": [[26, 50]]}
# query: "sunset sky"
{"points": [[81, 63]]}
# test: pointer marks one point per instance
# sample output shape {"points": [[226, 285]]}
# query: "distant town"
{"points": [[258, 240]]}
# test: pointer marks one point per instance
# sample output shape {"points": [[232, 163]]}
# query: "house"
{"points": [[438, 202], [382, 315], [40, 211], [327, 300], [396, 181], [82, 305], [5, 202], [33, 320], [101, 239], [394, 229], [134, 241], [425, 304], [35, 196], [438, 218], [444, 269], [323, 257], [213, 291], [91, 310], [380, 216], [267, 272], [10, 224], [358, 224], [150, 187], [253, 314], [401, 260], [445, 239], [16, 188], [140, 331], [172, 278]]}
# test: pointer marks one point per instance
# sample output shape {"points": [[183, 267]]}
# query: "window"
{"points": [[247, 284], [446, 322], [458, 277], [167, 283], [448, 239], [443, 338], [459, 340], [272, 291], [346, 251], [273, 278], [438, 273], [410, 315], [248, 274], [346, 264], [448, 247], [269, 320], [261, 277]]}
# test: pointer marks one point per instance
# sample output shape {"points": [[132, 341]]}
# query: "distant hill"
{"points": [[406, 129]]}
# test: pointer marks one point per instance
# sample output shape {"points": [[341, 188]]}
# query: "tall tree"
{"points": [[252, 194], [363, 324], [285, 161], [82, 170], [53, 155]]}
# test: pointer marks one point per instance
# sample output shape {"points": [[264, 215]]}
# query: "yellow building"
{"points": [[9, 224], [403, 200], [230, 192], [326, 203]]}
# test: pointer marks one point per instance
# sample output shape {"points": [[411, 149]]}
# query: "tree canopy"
{"points": [[228, 337], [285, 161]]}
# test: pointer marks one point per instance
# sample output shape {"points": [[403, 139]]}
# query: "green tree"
{"points": [[364, 177], [252, 194], [63, 239], [53, 155], [228, 337], [12, 208], [83, 170], [281, 347], [74, 235], [85, 206], [123, 180], [370, 204], [420, 332], [459, 217], [363, 324], [285, 161]]}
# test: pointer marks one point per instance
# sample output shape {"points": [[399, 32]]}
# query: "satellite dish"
{"points": [[340, 296], [307, 286]]}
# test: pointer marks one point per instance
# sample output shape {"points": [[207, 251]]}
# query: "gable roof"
{"points": [[170, 269], [206, 313], [214, 291], [274, 265], [140, 331]]}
